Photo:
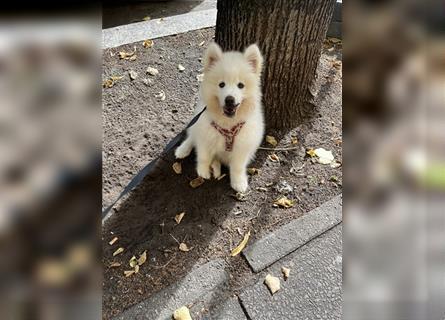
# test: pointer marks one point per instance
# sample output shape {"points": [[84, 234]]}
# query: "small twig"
{"points": [[278, 149], [163, 266], [174, 238]]}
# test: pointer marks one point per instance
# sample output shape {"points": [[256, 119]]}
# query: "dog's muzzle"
{"points": [[230, 106]]}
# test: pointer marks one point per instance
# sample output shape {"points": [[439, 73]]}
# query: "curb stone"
{"points": [[293, 235], [198, 284], [156, 28]]}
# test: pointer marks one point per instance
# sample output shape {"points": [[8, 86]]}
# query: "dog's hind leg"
{"points": [[216, 168], [184, 149]]}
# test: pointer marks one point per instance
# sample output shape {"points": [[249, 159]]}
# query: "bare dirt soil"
{"points": [[137, 126]]}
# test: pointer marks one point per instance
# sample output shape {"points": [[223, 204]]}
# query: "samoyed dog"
{"points": [[231, 128]]}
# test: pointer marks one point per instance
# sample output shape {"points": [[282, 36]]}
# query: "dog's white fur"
{"points": [[231, 68]]}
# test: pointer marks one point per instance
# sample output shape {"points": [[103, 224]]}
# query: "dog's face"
{"points": [[231, 79]]}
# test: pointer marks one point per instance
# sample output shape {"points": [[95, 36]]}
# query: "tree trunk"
{"points": [[290, 35]]}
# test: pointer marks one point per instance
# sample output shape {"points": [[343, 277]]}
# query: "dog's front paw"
{"points": [[204, 171], [239, 184], [181, 152]]}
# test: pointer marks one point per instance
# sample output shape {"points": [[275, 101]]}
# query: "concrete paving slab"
{"points": [[199, 284], [293, 235], [157, 28], [313, 289], [230, 310]]}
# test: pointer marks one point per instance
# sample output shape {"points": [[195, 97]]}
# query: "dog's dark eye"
{"points": [[222, 84], [240, 85]]}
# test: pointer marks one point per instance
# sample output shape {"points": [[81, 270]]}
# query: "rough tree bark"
{"points": [[290, 35]]}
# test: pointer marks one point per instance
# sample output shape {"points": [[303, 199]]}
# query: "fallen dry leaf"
{"points": [[136, 268], [142, 258], [115, 265], [335, 164], [160, 95], [133, 262], [128, 273], [133, 74], [195, 183], [236, 251], [271, 140], [113, 241], [108, 83], [294, 140], [147, 82], [311, 153], [324, 156], [273, 283], [126, 55], [200, 77], [336, 64], [253, 171], [183, 247], [273, 157], [148, 43], [240, 196], [152, 71], [177, 167], [286, 272], [182, 313], [179, 216], [284, 202], [118, 251], [181, 67]]}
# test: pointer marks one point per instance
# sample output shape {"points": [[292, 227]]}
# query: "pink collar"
{"points": [[229, 134]]}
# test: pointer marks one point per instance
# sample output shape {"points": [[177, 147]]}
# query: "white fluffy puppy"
{"points": [[232, 127]]}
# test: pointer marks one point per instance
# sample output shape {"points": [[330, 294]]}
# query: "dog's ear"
{"points": [[254, 57], [212, 55]]}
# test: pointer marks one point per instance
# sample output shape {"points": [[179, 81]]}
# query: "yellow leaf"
{"points": [[294, 140], [118, 251], [147, 18], [133, 261], [152, 71], [183, 247], [133, 74], [177, 167], [126, 54], [253, 171], [148, 43], [195, 183], [271, 140], [311, 152], [113, 241], [286, 272], [182, 313], [241, 246], [284, 202], [273, 157], [142, 258], [179, 217], [273, 283], [128, 273]]}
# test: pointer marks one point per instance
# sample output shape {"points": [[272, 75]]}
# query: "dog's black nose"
{"points": [[230, 101]]}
